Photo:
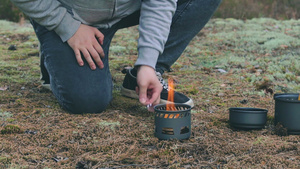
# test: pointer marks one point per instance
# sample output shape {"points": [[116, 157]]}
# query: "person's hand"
{"points": [[149, 87], [87, 41]]}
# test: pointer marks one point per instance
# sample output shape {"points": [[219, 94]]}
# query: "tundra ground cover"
{"points": [[230, 63]]}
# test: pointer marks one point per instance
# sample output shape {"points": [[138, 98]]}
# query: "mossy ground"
{"points": [[259, 57]]}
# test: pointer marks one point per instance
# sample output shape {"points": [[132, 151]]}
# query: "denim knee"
{"points": [[86, 102]]}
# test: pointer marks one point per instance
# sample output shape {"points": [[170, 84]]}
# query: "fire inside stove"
{"points": [[172, 120], [173, 124], [170, 104]]}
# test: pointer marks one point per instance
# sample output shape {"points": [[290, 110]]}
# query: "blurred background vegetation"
{"points": [[239, 9], [9, 12], [247, 9]]}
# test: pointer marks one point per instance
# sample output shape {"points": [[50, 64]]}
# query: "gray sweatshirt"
{"points": [[65, 17]]}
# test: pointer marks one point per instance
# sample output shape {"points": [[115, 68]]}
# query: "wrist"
{"points": [[144, 67]]}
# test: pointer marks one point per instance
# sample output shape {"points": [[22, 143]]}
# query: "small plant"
{"points": [[4, 160], [111, 125], [11, 129], [280, 130], [4, 115]]}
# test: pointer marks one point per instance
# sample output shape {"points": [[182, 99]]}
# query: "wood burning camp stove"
{"points": [[174, 123]]}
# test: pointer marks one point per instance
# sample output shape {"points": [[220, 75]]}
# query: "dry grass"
{"points": [[37, 133]]}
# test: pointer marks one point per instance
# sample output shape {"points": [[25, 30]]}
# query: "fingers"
{"points": [[78, 57], [87, 41], [149, 86], [143, 95], [155, 99], [95, 55], [148, 94], [88, 58], [151, 98], [99, 36], [150, 107], [91, 56], [99, 50]]}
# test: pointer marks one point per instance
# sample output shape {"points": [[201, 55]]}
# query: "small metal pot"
{"points": [[287, 112], [247, 118]]}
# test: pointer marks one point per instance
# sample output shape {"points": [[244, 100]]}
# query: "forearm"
{"points": [[155, 21], [50, 14]]}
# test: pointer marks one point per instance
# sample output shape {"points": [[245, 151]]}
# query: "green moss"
{"points": [[118, 49], [7, 26], [4, 160], [112, 125], [10, 120], [4, 115], [259, 140], [11, 129]]}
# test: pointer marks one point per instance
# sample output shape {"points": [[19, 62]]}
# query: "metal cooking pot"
{"points": [[287, 111], [247, 118]]}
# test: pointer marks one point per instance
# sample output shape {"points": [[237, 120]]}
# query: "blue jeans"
{"points": [[82, 90]]}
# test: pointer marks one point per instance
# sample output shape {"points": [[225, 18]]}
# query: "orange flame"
{"points": [[170, 104], [299, 97]]}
